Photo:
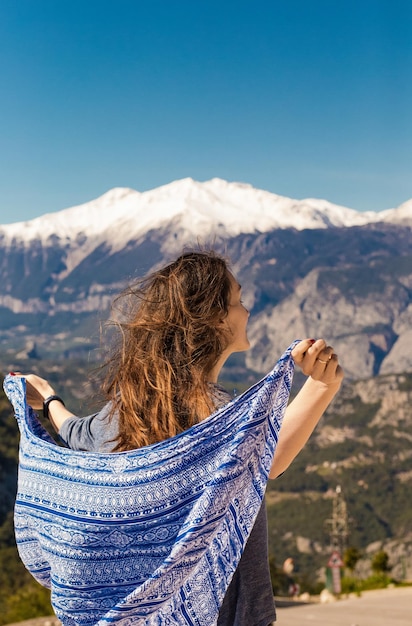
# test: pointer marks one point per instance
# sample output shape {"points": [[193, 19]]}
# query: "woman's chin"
{"points": [[245, 346]]}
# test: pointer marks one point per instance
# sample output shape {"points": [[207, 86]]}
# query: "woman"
{"points": [[187, 319]]}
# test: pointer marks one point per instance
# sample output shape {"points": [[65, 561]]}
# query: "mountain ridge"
{"points": [[246, 209]]}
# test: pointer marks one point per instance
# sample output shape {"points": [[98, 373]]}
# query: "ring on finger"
{"points": [[327, 361]]}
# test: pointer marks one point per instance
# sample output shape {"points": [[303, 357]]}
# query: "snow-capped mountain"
{"points": [[308, 267], [198, 208]]}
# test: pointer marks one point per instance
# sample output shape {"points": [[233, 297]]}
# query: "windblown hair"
{"points": [[157, 376]]}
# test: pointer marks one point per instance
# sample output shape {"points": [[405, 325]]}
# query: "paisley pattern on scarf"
{"points": [[150, 536]]}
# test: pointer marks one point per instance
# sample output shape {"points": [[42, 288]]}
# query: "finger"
{"points": [[324, 369], [301, 348], [330, 373], [309, 359], [335, 367], [325, 355], [340, 373]]}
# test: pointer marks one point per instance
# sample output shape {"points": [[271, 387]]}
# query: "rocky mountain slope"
{"points": [[308, 268]]}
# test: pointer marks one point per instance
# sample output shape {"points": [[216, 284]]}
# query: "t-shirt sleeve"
{"points": [[94, 433]]}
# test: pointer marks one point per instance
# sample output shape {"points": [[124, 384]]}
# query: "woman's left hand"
{"points": [[318, 360], [37, 390]]}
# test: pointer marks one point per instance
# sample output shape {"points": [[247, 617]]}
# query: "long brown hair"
{"points": [[157, 377]]}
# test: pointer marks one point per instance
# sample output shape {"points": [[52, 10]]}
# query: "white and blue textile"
{"points": [[150, 536]]}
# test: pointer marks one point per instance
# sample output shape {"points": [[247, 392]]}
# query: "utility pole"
{"points": [[338, 523], [338, 533]]}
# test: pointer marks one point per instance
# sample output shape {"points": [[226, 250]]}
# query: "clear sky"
{"points": [[302, 98]]}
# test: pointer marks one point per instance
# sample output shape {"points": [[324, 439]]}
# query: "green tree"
{"points": [[280, 580], [380, 563], [351, 557], [31, 601]]}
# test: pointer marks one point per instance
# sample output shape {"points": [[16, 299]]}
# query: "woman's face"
{"points": [[236, 319]]}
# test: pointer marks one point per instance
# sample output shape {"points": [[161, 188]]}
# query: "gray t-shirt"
{"points": [[249, 598]]}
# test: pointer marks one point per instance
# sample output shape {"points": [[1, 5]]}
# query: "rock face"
{"points": [[351, 286], [367, 329], [338, 274]]}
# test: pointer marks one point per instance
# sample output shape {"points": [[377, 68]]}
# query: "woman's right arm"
{"points": [[325, 376]]}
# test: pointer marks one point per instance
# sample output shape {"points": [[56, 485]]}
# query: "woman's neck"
{"points": [[213, 375]]}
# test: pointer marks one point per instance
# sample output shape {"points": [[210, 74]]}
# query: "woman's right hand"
{"points": [[319, 361]]}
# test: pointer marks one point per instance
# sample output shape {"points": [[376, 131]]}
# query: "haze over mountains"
{"points": [[308, 268]]}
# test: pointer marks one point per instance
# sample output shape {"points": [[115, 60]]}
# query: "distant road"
{"points": [[386, 607]]}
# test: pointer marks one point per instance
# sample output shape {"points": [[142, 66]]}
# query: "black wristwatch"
{"points": [[46, 403]]}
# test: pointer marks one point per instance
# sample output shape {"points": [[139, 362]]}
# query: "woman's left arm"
{"points": [[321, 364], [37, 390]]}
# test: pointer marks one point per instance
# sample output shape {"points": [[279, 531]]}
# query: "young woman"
{"points": [[185, 321]]}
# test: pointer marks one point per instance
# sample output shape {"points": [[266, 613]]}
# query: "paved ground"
{"points": [[388, 607]]}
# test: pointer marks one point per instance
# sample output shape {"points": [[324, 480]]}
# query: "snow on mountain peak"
{"points": [[197, 209], [401, 215], [88, 218]]}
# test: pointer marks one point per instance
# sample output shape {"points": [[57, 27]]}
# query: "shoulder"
{"points": [[219, 395]]}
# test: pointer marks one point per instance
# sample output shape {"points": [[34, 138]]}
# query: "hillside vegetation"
{"points": [[362, 444]]}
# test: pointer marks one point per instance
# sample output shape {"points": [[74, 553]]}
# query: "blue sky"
{"points": [[305, 99]]}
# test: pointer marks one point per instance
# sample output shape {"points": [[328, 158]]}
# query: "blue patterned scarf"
{"points": [[150, 536]]}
